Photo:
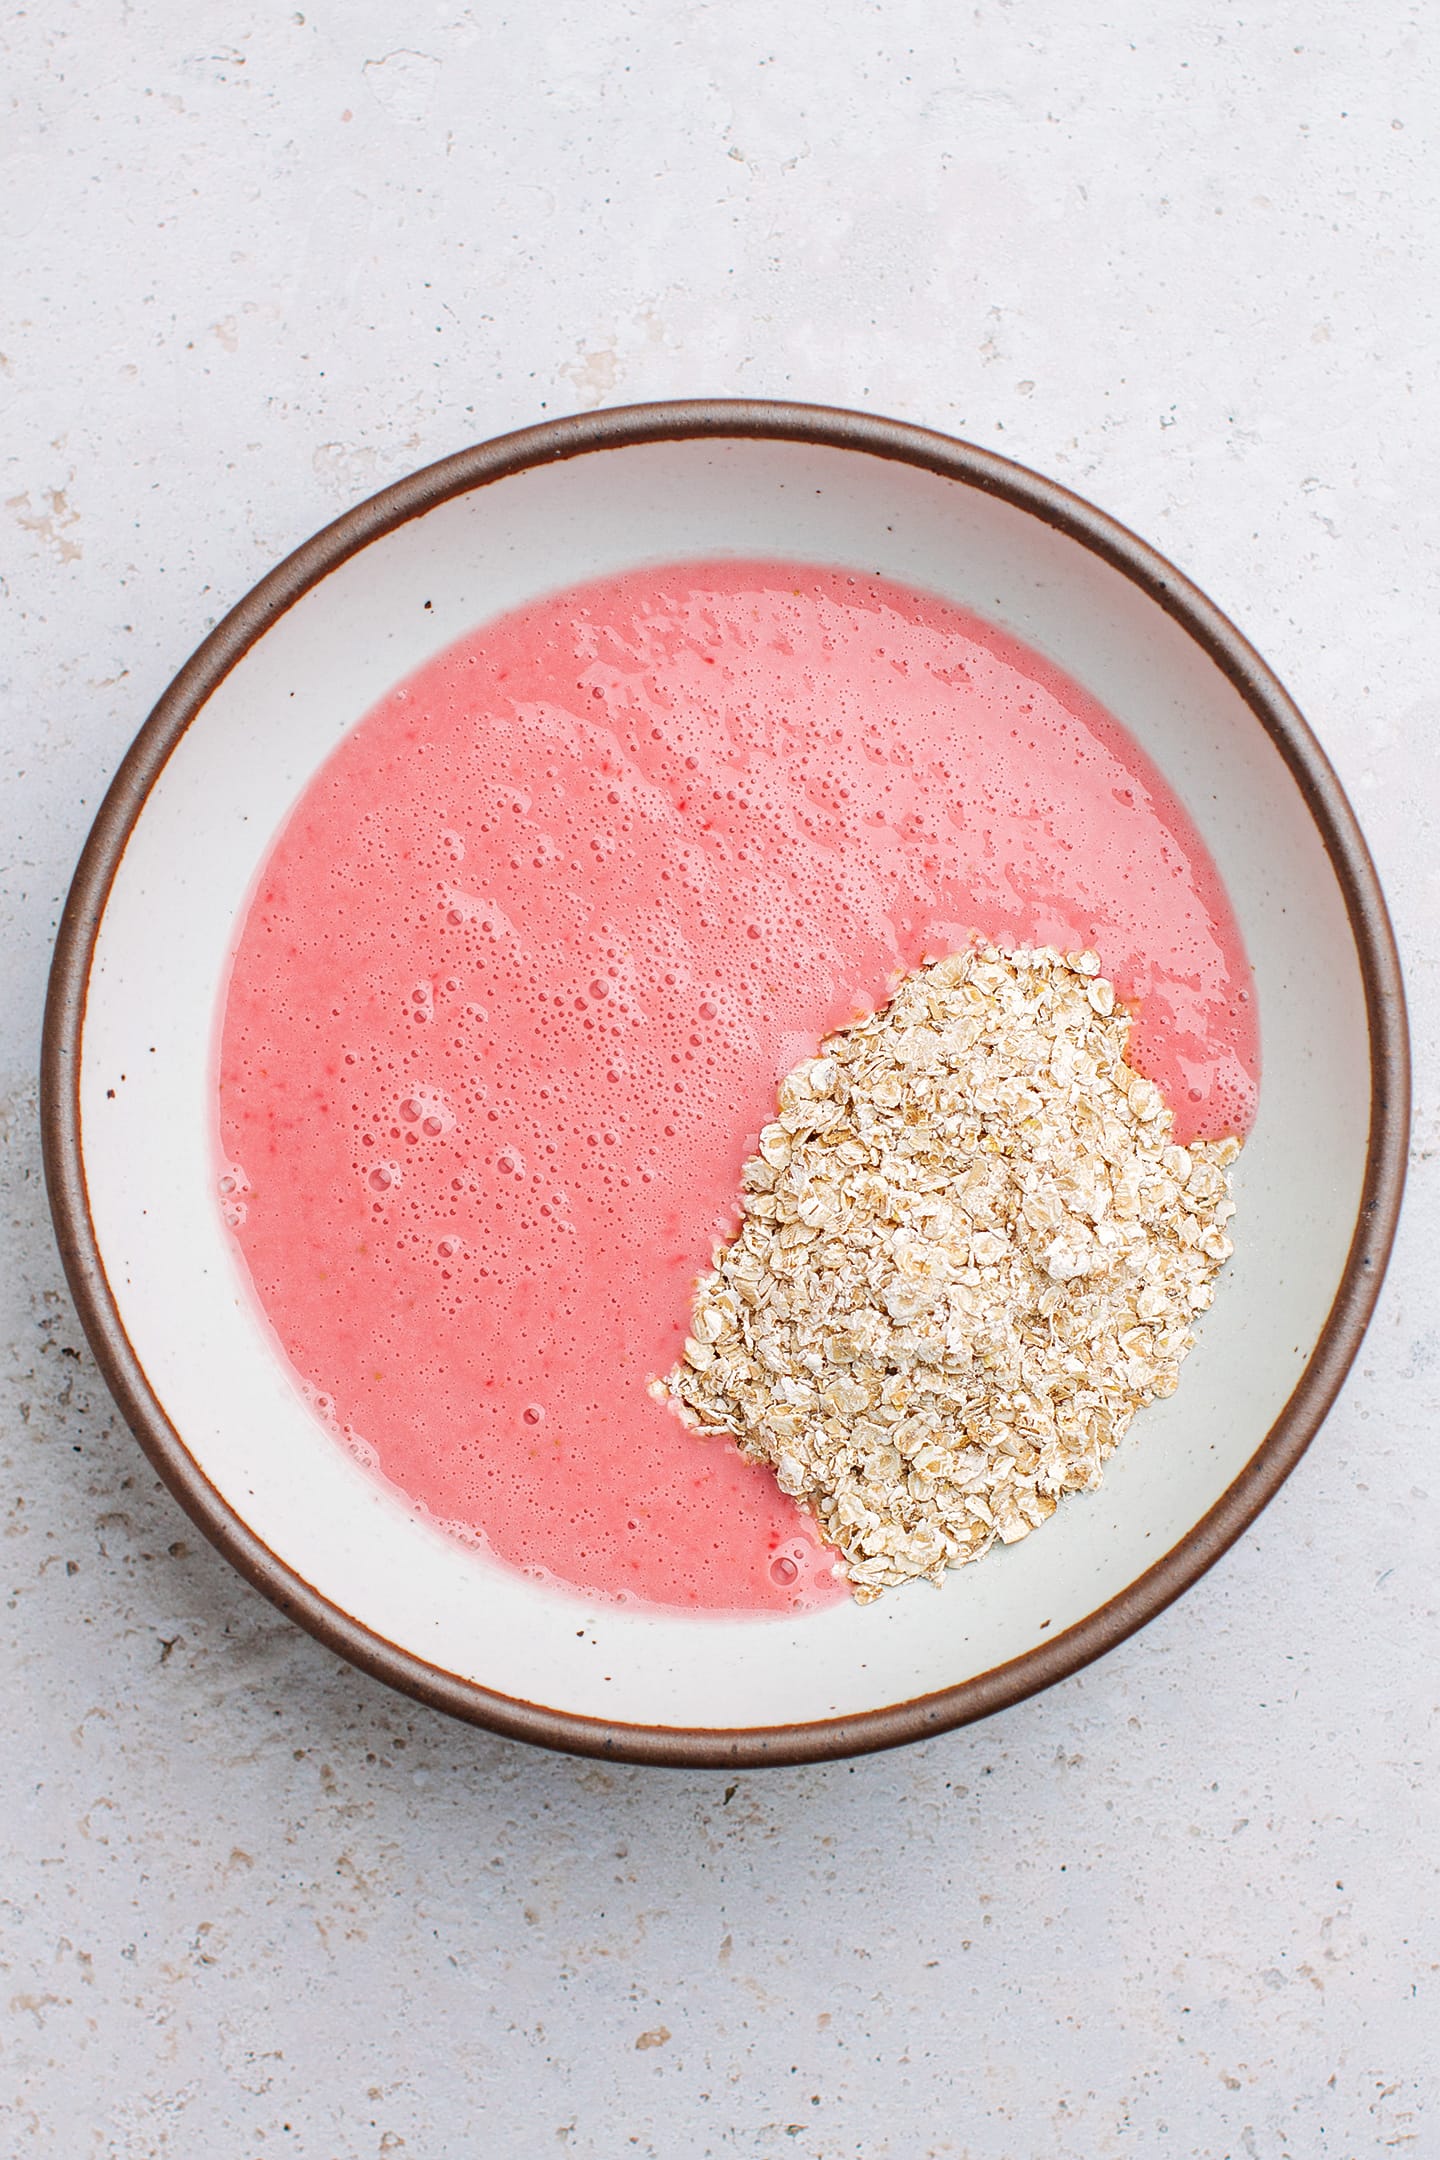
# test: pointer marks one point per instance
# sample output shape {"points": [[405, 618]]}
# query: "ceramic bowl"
{"points": [[142, 956]]}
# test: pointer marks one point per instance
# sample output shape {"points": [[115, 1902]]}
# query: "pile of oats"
{"points": [[970, 1253]]}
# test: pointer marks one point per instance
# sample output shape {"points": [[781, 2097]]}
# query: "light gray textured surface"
{"points": [[259, 262]]}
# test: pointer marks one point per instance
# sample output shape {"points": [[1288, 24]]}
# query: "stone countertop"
{"points": [[261, 260]]}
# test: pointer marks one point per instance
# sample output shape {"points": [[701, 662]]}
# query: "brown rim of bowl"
{"points": [[896, 1723]]}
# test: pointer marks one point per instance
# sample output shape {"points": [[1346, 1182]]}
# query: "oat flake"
{"points": [[970, 1253]]}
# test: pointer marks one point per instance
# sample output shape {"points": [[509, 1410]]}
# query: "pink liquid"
{"points": [[521, 973]]}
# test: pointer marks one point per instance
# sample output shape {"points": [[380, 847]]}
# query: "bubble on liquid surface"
{"points": [[426, 1114]]}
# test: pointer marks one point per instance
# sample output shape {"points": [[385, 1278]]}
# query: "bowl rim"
{"points": [[626, 427]]}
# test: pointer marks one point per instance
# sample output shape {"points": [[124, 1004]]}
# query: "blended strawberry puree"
{"points": [[521, 972]]}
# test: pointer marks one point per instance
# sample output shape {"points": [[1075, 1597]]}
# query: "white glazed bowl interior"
{"points": [[160, 960]]}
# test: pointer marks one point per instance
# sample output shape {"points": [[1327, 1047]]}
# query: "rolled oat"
{"points": [[970, 1251]]}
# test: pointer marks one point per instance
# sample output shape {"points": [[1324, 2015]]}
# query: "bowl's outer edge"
{"points": [[897, 1723]]}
